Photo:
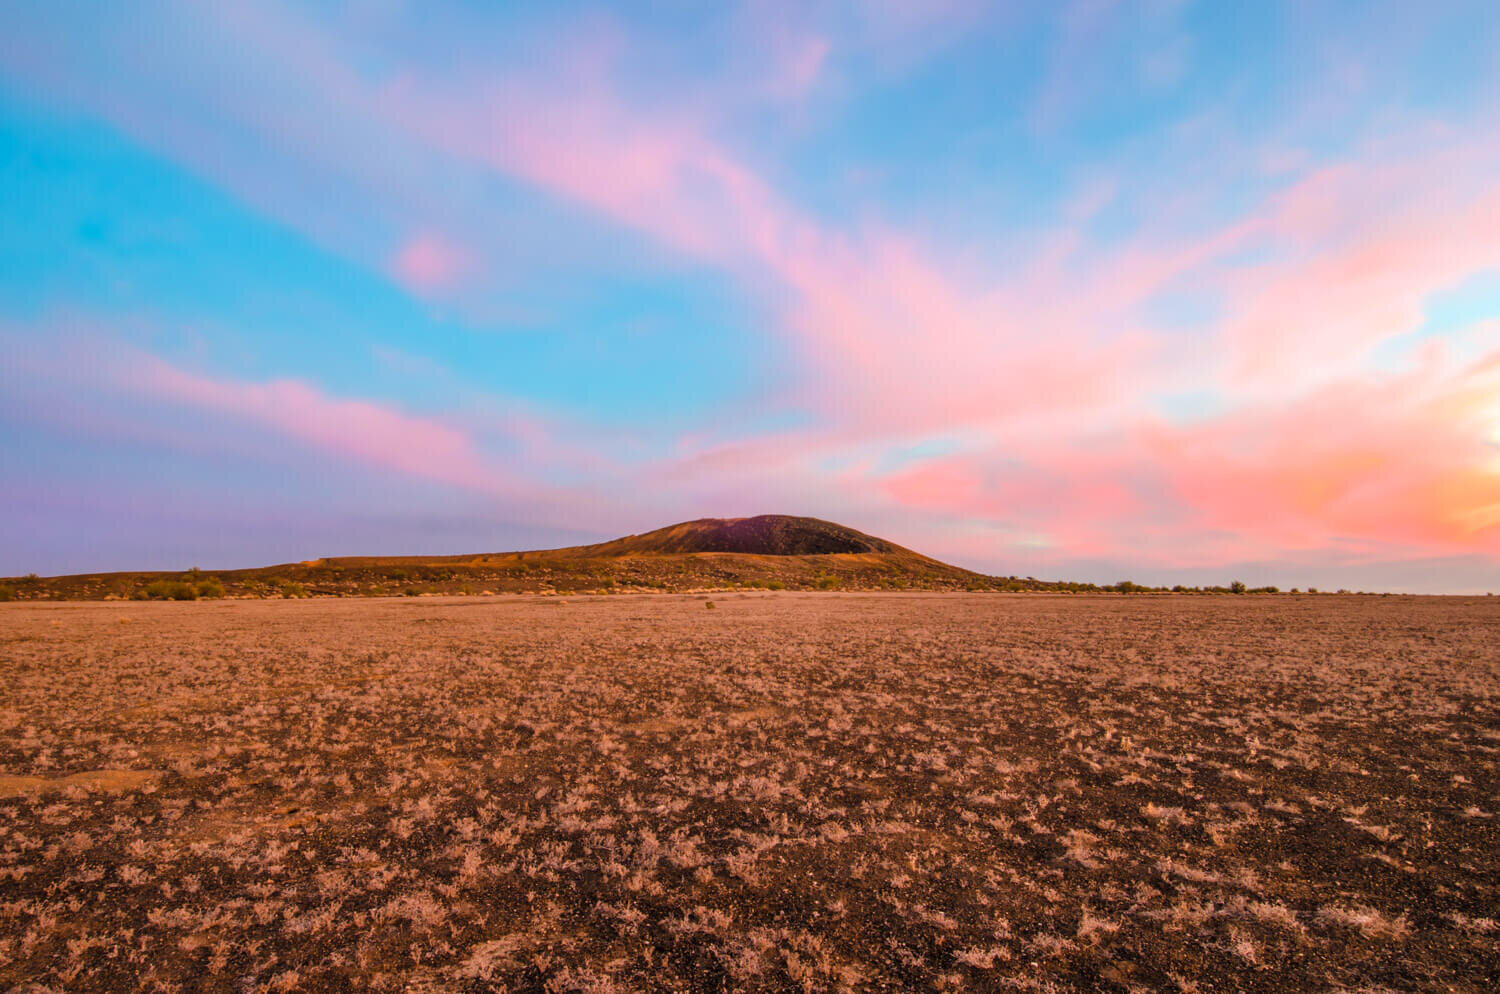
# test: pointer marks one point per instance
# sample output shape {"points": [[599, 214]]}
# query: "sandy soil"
{"points": [[783, 792]]}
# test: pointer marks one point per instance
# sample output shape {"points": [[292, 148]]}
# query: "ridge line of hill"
{"points": [[769, 551]]}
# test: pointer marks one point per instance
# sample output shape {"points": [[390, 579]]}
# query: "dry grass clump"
{"points": [[1369, 922], [790, 792]]}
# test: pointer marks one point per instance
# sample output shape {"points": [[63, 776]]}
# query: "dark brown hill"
{"points": [[762, 535]]}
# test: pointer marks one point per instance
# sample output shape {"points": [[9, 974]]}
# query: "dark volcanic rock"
{"points": [[764, 534]]}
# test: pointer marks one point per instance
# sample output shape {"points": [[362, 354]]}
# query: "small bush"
{"points": [[7, 593], [709, 605], [775, 585], [826, 583], [210, 587], [171, 590], [1237, 587]]}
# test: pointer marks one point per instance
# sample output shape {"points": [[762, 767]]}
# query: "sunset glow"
{"points": [[1174, 291]]}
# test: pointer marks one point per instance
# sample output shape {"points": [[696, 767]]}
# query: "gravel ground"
{"points": [[761, 791]]}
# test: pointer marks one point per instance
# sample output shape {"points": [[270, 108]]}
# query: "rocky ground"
{"points": [[762, 791]]}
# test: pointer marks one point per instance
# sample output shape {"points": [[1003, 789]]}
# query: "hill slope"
{"points": [[769, 550]]}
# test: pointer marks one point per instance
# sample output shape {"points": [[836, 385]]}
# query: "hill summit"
{"points": [[762, 535]]}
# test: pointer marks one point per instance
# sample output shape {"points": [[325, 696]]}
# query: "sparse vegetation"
{"points": [[171, 590], [288, 589], [669, 573], [777, 553], [903, 792]]}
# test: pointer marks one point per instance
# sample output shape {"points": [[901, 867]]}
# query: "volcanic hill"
{"points": [[763, 535], [771, 551]]}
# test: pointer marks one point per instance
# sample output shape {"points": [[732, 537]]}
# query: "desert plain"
{"points": [[751, 791]]}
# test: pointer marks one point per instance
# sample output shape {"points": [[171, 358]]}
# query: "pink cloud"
{"points": [[1044, 355], [355, 429], [658, 175], [1048, 360], [498, 450], [1357, 252], [1404, 466], [427, 262], [794, 64], [1407, 460], [871, 305], [804, 64]]}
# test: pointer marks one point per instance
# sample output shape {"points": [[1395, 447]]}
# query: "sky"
{"points": [[1169, 291]]}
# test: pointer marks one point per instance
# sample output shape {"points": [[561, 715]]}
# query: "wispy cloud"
{"points": [[358, 429], [428, 262]]}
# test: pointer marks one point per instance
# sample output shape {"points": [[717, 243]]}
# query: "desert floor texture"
{"points": [[780, 792]]}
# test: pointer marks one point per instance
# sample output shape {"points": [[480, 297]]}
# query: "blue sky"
{"points": [[1166, 290]]}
